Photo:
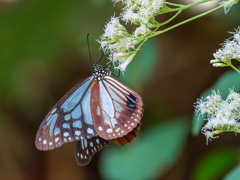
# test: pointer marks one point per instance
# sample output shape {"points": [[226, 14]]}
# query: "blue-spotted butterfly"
{"points": [[97, 110]]}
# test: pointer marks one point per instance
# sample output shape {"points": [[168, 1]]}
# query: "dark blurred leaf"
{"points": [[149, 156], [233, 174], [140, 69], [215, 164], [229, 80]]}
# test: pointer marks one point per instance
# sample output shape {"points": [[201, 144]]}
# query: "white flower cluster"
{"points": [[141, 11], [230, 50], [117, 42], [221, 115]]}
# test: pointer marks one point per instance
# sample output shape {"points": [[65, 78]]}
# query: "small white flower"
{"points": [[219, 65], [114, 30], [125, 62], [142, 31], [140, 11], [228, 4]]}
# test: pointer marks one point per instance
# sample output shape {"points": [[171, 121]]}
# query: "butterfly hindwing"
{"points": [[69, 120], [86, 148], [116, 109]]}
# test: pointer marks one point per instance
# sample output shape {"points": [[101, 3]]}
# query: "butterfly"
{"points": [[97, 110]]}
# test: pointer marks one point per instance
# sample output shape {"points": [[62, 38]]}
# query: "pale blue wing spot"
{"points": [[86, 108], [72, 100], [113, 122], [89, 131], [77, 112], [118, 106], [106, 118], [53, 111], [67, 117], [85, 142], [98, 111], [49, 119], [66, 134], [66, 125], [77, 124], [106, 101], [82, 144], [117, 115], [53, 122], [56, 131], [78, 133]]}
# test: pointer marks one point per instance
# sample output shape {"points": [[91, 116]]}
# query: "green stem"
{"points": [[232, 66], [173, 4], [161, 24], [217, 132], [183, 22], [140, 46], [176, 25], [182, 7]]}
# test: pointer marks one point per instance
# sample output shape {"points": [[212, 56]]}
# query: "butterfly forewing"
{"points": [[86, 148], [69, 120], [116, 109]]}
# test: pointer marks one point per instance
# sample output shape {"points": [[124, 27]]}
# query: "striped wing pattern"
{"points": [[69, 120], [116, 109]]}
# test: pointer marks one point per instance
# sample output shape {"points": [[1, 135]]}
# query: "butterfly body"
{"points": [[95, 111]]}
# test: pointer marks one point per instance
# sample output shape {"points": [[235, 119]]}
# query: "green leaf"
{"points": [[227, 81], [149, 156], [233, 174], [215, 164], [140, 69]]}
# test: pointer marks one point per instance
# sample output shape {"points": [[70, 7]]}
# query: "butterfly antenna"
{"points": [[111, 62], [89, 49], [100, 57], [116, 74]]}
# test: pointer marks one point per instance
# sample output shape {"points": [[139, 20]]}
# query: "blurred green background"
{"points": [[43, 53]]}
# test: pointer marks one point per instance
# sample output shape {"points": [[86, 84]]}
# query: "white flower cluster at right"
{"points": [[230, 50], [222, 115]]}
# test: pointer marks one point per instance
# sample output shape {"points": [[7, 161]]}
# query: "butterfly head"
{"points": [[99, 72]]}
